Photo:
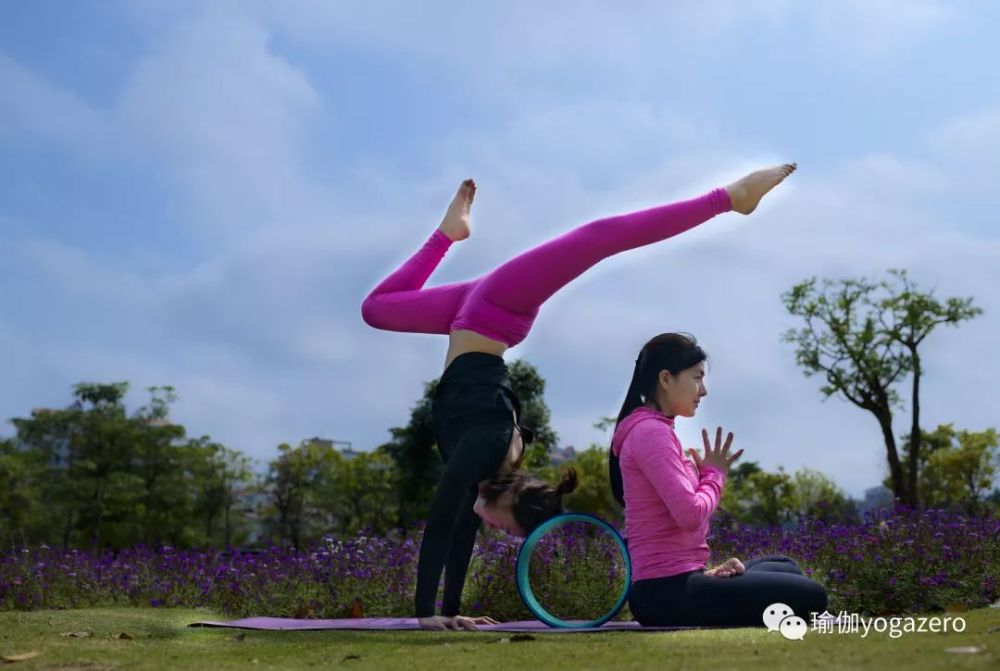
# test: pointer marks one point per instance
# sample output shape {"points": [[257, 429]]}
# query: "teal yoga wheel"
{"points": [[524, 573]]}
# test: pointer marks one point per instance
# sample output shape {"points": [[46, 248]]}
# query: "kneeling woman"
{"points": [[669, 500]]}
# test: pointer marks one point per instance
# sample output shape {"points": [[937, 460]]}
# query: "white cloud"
{"points": [[864, 31], [262, 335], [229, 117], [33, 106]]}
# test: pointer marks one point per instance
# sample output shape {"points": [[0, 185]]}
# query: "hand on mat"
{"points": [[458, 622], [730, 567], [718, 457]]}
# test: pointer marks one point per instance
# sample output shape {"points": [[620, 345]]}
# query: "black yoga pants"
{"points": [[696, 599]]}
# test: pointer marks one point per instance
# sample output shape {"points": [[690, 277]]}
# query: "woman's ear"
{"points": [[664, 377]]}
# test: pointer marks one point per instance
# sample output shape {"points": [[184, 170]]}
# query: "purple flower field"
{"points": [[905, 561]]}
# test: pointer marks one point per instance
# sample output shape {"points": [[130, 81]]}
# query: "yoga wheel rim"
{"points": [[524, 565]]}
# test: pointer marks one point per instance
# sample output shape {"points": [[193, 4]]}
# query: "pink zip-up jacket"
{"points": [[668, 504]]}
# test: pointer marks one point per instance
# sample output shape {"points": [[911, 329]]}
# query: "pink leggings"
{"points": [[503, 304]]}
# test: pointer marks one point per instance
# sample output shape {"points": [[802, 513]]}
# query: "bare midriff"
{"points": [[463, 341]]}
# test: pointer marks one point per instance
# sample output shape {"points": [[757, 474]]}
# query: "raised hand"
{"points": [[719, 456]]}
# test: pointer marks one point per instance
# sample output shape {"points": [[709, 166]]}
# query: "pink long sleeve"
{"points": [[656, 452], [668, 503]]}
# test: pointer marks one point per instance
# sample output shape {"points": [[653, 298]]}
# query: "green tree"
{"points": [[294, 478], [864, 343], [418, 463], [217, 474], [772, 496], [737, 495], [83, 446], [20, 503], [815, 496], [956, 468], [593, 494], [360, 495], [92, 474], [529, 387], [159, 501]]}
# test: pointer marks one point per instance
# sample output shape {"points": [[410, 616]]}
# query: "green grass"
{"points": [[160, 639]]}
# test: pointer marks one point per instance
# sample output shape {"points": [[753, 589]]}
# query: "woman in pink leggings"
{"points": [[476, 414]]}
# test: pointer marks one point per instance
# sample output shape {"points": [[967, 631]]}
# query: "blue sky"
{"points": [[201, 194]]}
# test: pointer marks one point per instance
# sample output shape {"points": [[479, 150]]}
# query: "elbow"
{"points": [[692, 519], [689, 523]]}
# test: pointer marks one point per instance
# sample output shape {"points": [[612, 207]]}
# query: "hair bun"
{"points": [[568, 483]]}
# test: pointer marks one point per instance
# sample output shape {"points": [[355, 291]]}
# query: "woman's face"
{"points": [[498, 515], [683, 391]]}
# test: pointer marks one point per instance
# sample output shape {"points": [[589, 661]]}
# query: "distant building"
{"points": [[348, 452], [880, 497], [251, 502], [60, 448], [319, 442], [559, 455]]}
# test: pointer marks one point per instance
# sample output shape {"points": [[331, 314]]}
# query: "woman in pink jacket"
{"points": [[669, 500]]}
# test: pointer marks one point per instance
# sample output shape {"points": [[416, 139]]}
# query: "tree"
{"points": [[20, 503], [83, 446], [815, 496], [529, 387], [217, 474], [159, 503], [956, 468], [593, 494], [362, 488], [865, 343], [755, 496], [737, 495], [90, 473], [412, 450], [294, 478]]}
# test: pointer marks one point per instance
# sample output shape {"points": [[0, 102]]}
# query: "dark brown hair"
{"points": [[668, 351], [534, 500]]}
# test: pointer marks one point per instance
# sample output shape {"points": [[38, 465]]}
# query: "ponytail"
{"points": [[633, 399]]}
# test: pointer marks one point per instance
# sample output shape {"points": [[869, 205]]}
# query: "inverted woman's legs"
{"points": [[521, 285], [503, 304], [399, 303], [529, 279]]}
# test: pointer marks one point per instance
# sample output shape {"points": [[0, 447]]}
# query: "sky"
{"points": [[201, 195]]}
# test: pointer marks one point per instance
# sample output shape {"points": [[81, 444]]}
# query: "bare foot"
{"points": [[745, 193], [456, 220]]}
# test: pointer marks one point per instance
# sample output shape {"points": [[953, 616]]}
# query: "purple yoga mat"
{"points": [[382, 623]]}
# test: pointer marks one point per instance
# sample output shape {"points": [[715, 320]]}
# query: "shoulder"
{"points": [[647, 432]]}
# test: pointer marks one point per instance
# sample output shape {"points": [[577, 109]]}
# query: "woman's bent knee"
{"points": [[814, 599]]}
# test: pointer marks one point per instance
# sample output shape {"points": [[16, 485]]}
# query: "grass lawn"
{"points": [[158, 638]]}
